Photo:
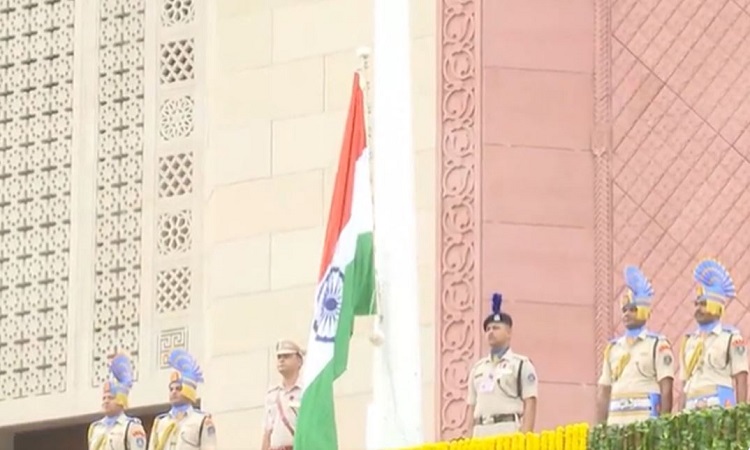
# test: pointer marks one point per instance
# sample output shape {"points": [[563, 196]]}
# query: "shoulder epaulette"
{"points": [[134, 420], [729, 329], [656, 336], [162, 415]]}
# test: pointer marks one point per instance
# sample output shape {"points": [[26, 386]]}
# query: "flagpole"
{"points": [[395, 418], [375, 410]]}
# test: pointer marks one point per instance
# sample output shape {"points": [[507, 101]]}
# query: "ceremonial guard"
{"points": [[184, 427], [502, 386], [283, 399], [638, 367], [714, 357], [116, 430]]}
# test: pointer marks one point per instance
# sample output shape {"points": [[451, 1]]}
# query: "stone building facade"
{"points": [[166, 169]]}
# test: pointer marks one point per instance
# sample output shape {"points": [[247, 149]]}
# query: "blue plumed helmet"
{"points": [[639, 292], [120, 380], [715, 285], [497, 315], [187, 373]]}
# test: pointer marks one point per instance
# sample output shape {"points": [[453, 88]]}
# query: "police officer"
{"points": [[713, 357], [637, 367], [116, 430], [503, 385], [184, 427], [283, 400]]}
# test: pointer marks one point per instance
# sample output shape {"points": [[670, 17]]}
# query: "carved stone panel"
{"points": [[119, 183], [459, 219], [36, 137]]}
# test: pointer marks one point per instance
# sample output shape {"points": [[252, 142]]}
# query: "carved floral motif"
{"points": [[459, 214]]}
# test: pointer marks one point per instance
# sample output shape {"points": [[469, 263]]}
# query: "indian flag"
{"points": [[345, 284]]}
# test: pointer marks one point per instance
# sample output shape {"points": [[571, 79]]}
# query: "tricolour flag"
{"points": [[346, 284]]}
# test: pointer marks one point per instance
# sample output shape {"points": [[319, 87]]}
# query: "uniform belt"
{"points": [[495, 418], [630, 404]]}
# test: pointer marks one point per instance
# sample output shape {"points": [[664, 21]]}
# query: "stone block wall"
{"points": [[280, 75]]}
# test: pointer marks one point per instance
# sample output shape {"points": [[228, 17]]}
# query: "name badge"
{"points": [[486, 385]]}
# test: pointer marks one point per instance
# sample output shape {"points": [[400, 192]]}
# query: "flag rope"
{"points": [[364, 85]]}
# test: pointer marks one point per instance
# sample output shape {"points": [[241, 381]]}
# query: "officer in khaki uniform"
{"points": [[116, 430], [637, 368], [502, 386], [714, 363], [184, 427], [283, 400]]}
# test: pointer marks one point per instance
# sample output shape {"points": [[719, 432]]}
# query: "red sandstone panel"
{"points": [[539, 34], [537, 186], [538, 263], [537, 109], [573, 400], [558, 338], [547, 270], [537, 217], [680, 80]]}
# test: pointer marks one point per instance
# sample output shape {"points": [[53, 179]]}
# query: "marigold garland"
{"points": [[712, 429], [571, 437]]}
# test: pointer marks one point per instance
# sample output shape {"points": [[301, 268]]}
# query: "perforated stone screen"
{"points": [[36, 128]]}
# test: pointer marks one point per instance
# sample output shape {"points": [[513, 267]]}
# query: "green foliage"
{"points": [[708, 429]]}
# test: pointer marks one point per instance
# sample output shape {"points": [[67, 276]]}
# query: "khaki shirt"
{"points": [[494, 385], [280, 418], [114, 437], [711, 360], [633, 368], [191, 430]]}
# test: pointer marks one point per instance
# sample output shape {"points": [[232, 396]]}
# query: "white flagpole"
{"points": [[395, 417]]}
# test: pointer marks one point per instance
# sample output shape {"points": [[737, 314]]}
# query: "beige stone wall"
{"points": [[280, 74]]}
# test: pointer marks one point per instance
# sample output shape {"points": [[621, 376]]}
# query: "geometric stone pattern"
{"points": [[174, 232], [177, 151], [119, 181], [177, 61], [176, 118], [681, 79], [173, 290], [458, 229], [175, 175], [36, 117], [175, 12], [169, 340]]}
